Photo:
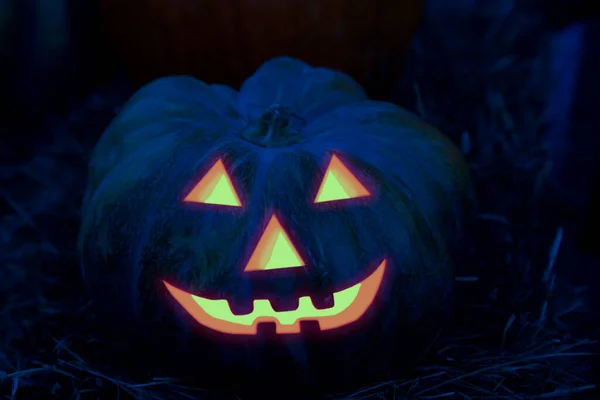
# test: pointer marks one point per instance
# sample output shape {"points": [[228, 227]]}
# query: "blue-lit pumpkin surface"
{"points": [[295, 212]]}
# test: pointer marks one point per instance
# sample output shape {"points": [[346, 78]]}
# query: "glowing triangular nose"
{"points": [[274, 250]]}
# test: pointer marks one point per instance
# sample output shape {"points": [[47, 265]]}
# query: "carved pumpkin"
{"points": [[296, 208], [224, 42]]}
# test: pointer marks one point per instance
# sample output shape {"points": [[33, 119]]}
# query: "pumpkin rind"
{"points": [[136, 230]]}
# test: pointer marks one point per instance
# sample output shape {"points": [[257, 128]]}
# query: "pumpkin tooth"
{"points": [[309, 327], [322, 301], [266, 329], [288, 303], [241, 306]]}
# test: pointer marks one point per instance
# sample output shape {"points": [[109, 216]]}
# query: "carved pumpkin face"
{"points": [[212, 215], [275, 251]]}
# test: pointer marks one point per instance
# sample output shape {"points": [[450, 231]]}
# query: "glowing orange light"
{"points": [[350, 305], [215, 188], [339, 184], [274, 250]]}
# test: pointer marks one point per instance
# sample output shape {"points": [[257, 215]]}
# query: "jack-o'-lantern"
{"points": [[296, 208]]}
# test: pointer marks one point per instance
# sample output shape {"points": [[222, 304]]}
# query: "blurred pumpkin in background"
{"points": [[225, 41], [296, 203]]}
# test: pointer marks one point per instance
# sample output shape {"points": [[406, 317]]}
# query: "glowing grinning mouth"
{"points": [[349, 305]]}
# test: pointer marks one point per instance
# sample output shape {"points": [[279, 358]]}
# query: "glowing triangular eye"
{"points": [[215, 188], [339, 184]]}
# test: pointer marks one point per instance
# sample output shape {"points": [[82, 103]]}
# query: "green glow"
{"points": [[219, 309]]}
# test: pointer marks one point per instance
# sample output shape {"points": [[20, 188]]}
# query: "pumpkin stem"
{"points": [[278, 126]]}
